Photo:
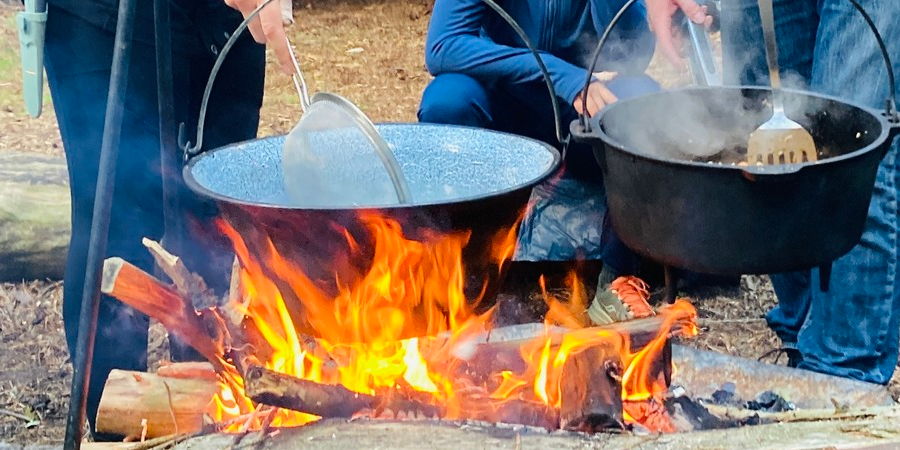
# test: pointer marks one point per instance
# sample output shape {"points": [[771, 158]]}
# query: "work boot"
{"points": [[623, 298]]}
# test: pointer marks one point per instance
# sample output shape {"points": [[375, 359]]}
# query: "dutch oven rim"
{"points": [[198, 188], [598, 132]]}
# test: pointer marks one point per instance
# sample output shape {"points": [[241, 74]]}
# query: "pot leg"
{"points": [[824, 277], [671, 279]]}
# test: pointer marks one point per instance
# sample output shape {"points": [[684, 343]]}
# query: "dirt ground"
{"points": [[367, 50]]}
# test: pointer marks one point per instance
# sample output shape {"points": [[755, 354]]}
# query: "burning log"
{"points": [[573, 380], [284, 391], [169, 405], [590, 392], [323, 400]]}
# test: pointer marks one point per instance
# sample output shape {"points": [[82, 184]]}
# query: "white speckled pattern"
{"points": [[441, 163]]}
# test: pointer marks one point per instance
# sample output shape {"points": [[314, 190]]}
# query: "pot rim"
{"points": [[198, 188], [599, 132]]}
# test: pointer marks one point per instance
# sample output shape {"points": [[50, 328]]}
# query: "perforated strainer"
{"points": [[332, 130]]}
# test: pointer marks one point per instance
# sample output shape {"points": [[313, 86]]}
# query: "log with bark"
{"points": [[34, 217]]}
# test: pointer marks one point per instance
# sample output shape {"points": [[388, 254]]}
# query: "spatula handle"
{"points": [[767, 17]]}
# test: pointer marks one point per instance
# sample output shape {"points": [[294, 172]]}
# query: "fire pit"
{"points": [[513, 383]]}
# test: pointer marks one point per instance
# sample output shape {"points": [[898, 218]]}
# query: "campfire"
{"points": [[400, 339]]}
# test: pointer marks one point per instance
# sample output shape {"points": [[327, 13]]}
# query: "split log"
{"points": [[150, 296], [35, 222], [190, 285], [799, 415], [590, 391], [169, 405]]}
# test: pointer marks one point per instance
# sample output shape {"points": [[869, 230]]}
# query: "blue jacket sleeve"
{"points": [[454, 45]]}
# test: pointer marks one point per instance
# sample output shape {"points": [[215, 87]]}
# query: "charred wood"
{"points": [[591, 391]]}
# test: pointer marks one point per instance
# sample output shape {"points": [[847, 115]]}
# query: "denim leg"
{"points": [[744, 57], [456, 99], [852, 330], [78, 62]]}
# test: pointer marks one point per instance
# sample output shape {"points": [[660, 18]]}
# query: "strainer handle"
{"points": [[193, 149], [297, 77]]}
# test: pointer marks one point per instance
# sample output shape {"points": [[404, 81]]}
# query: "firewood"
{"points": [[190, 285], [150, 296], [327, 400], [169, 405], [188, 370], [590, 391], [245, 333], [799, 415], [284, 391]]}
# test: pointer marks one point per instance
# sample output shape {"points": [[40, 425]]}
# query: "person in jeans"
{"points": [[78, 59], [486, 77], [826, 47]]}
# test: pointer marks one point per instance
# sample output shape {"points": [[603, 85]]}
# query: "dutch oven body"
{"points": [[463, 180], [670, 204]]}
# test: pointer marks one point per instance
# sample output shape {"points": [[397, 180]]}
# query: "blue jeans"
{"points": [[78, 63], [825, 46], [525, 110]]}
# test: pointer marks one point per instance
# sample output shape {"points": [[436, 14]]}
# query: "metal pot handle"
{"points": [[890, 111], [192, 150], [546, 73], [890, 106]]}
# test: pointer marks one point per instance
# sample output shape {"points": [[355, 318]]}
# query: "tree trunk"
{"points": [[34, 217]]}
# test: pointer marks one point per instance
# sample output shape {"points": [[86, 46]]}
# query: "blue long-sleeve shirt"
{"points": [[468, 37]]}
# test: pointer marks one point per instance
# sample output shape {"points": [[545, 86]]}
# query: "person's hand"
{"points": [[267, 28], [598, 96], [660, 14]]}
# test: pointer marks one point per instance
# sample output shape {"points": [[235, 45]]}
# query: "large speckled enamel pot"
{"points": [[461, 179]]}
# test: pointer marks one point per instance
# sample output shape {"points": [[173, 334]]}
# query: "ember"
{"points": [[401, 336]]}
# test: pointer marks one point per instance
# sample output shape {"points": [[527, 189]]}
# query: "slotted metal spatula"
{"points": [[779, 140]]}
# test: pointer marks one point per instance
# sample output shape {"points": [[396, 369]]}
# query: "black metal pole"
{"points": [[109, 150], [169, 155]]}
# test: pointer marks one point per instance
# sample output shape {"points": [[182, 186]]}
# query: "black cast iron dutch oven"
{"points": [[679, 194]]}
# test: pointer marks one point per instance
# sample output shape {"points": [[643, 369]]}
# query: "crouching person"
{"points": [[485, 76]]}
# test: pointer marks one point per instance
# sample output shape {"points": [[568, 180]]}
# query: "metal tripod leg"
{"points": [[109, 150]]}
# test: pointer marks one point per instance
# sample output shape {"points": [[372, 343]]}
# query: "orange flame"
{"points": [[405, 323]]}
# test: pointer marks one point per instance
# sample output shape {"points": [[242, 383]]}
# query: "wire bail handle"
{"points": [[890, 105], [190, 149]]}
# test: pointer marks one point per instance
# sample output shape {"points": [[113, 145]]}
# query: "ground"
{"points": [[367, 50]]}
